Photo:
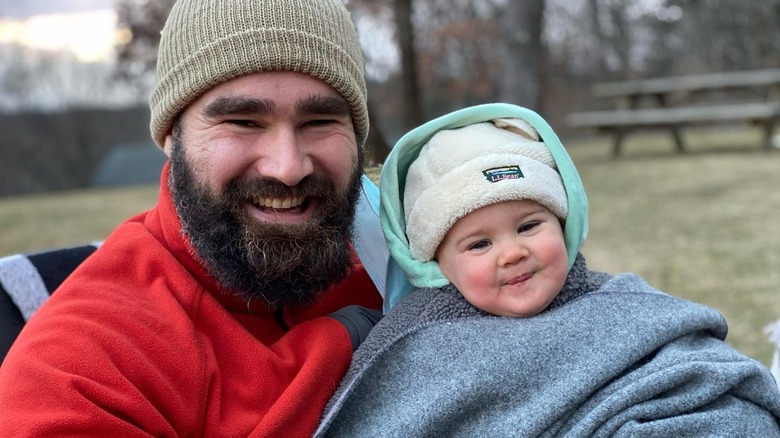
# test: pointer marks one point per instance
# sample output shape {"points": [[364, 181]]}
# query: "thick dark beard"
{"points": [[275, 263]]}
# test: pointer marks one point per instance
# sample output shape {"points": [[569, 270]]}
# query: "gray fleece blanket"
{"points": [[610, 357]]}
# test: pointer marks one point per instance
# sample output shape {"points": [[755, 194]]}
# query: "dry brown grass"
{"points": [[36, 222], [702, 226]]}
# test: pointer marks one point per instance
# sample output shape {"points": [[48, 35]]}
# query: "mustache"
{"points": [[311, 185]]}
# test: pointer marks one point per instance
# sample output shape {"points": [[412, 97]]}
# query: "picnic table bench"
{"points": [[675, 102]]}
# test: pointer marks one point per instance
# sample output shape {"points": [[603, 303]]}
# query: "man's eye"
{"points": [[242, 123], [528, 226], [482, 244], [320, 122]]}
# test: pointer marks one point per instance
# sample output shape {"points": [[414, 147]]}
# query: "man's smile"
{"points": [[278, 203], [296, 209]]}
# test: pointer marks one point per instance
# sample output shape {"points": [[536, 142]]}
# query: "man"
{"points": [[217, 312]]}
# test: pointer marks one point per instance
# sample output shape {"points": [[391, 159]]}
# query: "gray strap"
{"points": [[369, 241], [23, 284]]}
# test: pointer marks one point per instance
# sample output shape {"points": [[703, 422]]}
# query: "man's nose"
{"points": [[284, 158]]}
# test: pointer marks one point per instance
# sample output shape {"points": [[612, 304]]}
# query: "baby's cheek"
{"points": [[480, 279], [558, 264]]}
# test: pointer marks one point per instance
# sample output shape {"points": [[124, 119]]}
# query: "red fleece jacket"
{"points": [[141, 341]]}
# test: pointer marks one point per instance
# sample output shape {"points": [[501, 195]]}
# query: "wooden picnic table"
{"points": [[741, 96]]}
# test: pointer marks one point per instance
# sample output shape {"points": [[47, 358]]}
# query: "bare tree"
{"points": [[594, 7], [136, 60], [32, 79], [724, 35], [458, 53], [522, 27], [411, 94]]}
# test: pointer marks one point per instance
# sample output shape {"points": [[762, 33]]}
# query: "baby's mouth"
{"points": [[520, 279]]}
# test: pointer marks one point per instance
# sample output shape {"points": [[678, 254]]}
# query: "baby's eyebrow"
{"points": [[225, 106], [471, 237]]}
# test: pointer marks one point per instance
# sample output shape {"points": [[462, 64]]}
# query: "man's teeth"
{"points": [[279, 203]]}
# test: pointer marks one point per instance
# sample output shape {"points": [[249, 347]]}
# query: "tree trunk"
{"points": [[522, 28], [411, 94], [598, 33], [376, 145]]}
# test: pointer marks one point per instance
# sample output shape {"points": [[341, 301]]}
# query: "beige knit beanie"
{"points": [[461, 170], [207, 42]]}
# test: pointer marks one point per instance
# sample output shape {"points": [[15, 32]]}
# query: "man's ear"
{"points": [[168, 144]]}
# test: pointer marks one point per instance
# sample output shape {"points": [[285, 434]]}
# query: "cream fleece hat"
{"points": [[461, 170], [207, 42]]}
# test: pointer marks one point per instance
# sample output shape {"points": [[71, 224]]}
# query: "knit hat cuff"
{"points": [[271, 50], [469, 187]]}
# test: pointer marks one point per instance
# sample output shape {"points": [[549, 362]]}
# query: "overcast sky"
{"points": [[15, 9]]}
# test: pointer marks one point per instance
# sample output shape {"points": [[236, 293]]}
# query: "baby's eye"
{"points": [[528, 226], [481, 244]]}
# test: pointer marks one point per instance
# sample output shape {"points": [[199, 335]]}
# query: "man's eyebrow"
{"points": [[225, 106], [314, 105]]}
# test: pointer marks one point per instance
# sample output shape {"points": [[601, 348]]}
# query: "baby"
{"points": [[486, 203], [506, 331]]}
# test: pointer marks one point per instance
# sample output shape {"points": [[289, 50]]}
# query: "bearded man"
{"points": [[219, 312]]}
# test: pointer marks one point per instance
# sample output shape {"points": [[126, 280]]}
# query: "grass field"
{"points": [[702, 226]]}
